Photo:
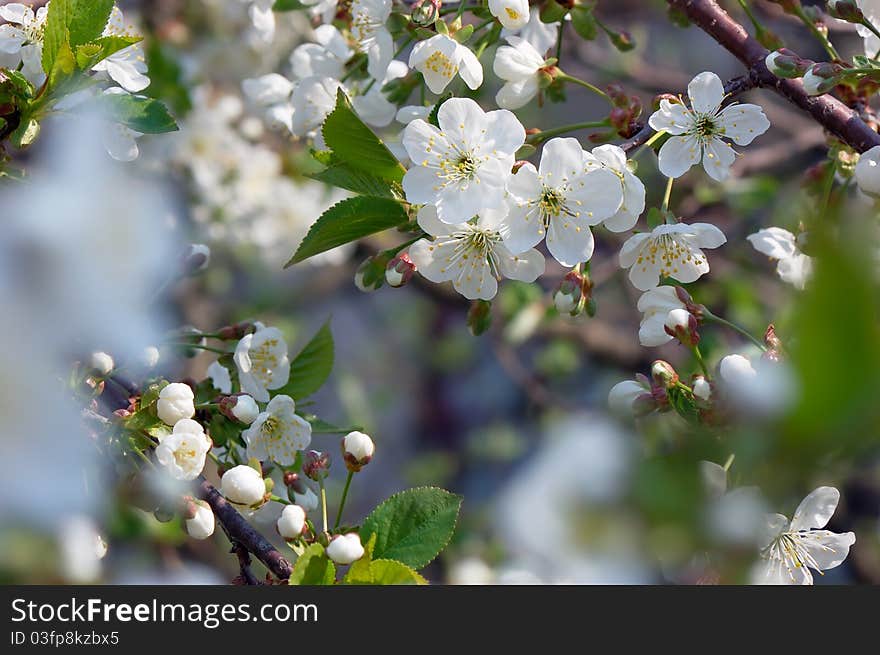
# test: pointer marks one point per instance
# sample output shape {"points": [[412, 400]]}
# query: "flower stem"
{"points": [[563, 77], [540, 137], [324, 505], [702, 362], [279, 499], [342, 500], [800, 13], [709, 316], [668, 194], [729, 462]]}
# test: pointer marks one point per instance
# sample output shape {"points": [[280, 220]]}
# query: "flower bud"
{"points": [[345, 548], [201, 524], [702, 388], [291, 479], [357, 450], [682, 325], [479, 317], [243, 485], [316, 465], [196, 259], [663, 374], [240, 407], [867, 172], [101, 362], [149, 357], [787, 64], [846, 10], [176, 402], [292, 522], [399, 270], [624, 396], [370, 275], [821, 78], [572, 293], [236, 331]]}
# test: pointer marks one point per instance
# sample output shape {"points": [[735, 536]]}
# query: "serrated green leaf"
{"points": [[89, 54], [359, 572], [139, 113], [313, 567], [347, 221], [70, 23], [55, 32], [356, 145], [88, 18], [345, 177], [311, 367], [392, 572], [432, 117], [413, 526]]}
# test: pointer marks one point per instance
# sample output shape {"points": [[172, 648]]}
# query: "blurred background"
{"points": [[515, 420]]}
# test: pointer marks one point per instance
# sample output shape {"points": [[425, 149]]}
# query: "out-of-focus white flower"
{"points": [[243, 485], [126, 67], [702, 388], [371, 36], [81, 549], [246, 409], [867, 170], [278, 432], [292, 521], [714, 478], [792, 266], [271, 94], [471, 255], [262, 18], [22, 35], [512, 14], [441, 58], [518, 64], [470, 571], [613, 158], [357, 449], [698, 132], [560, 199], [149, 357], [182, 453], [176, 402], [623, 395], [373, 107], [655, 304], [220, 378], [312, 100], [345, 548], [792, 549], [262, 362], [197, 258], [325, 58], [541, 35], [737, 517], [673, 251], [763, 389], [201, 526], [101, 362], [461, 167]]}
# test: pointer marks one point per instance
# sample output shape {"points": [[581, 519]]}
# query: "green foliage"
{"points": [[347, 221], [89, 54], [71, 23], [584, 22], [223, 431], [356, 145], [320, 426], [166, 77], [344, 176], [288, 5], [413, 526], [313, 567], [88, 18], [311, 367], [552, 12], [367, 571], [139, 113]]}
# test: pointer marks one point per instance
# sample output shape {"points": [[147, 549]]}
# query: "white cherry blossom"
{"points": [[512, 14], [126, 67], [262, 362], [324, 58], [541, 35], [278, 432], [345, 548], [312, 99], [673, 251], [201, 526], [292, 522], [792, 549], [613, 158], [176, 402], [22, 35], [462, 166], [373, 107], [560, 199], [655, 305], [263, 18], [623, 395], [440, 58], [472, 255], [368, 19], [867, 172], [698, 132], [220, 378], [243, 485], [518, 65], [182, 453], [271, 95], [792, 266]]}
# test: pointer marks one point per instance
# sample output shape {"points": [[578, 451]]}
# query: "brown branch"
{"points": [[242, 533], [833, 115], [244, 564]]}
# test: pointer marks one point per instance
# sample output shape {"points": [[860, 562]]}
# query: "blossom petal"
{"points": [[706, 92], [526, 267], [743, 123], [827, 548], [774, 242], [562, 159], [516, 61], [569, 241], [816, 509], [470, 69], [705, 235], [474, 279], [631, 247], [514, 95], [678, 154], [652, 331], [598, 195], [718, 157], [432, 258], [428, 221], [504, 132], [672, 117]]}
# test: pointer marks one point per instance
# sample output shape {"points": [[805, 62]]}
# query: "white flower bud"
{"points": [[292, 521], [176, 402], [243, 485], [102, 362], [736, 370], [150, 356], [812, 83], [702, 389], [678, 319], [345, 548], [246, 409], [868, 172], [623, 395], [357, 450], [201, 526]]}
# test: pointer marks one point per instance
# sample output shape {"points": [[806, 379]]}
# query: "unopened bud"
{"points": [[663, 374], [682, 325], [623, 40], [479, 317], [243, 485], [702, 388], [821, 78], [345, 548], [316, 465], [570, 296], [655, 103], [200, 523], [236, 331], [102, 362], [357, 450], [399, 270], [292, 522], [846, 10], [196, 259], [370, 275], [787, 64], [240, 407]]}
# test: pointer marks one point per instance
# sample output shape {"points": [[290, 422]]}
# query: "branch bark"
{"points": [[242, 533], [833, 115]]}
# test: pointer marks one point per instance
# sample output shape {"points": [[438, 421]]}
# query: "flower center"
{"points": [[440, 63], [461, 168], [264, 360], [552, 202], [705, 128], [183, 455]]}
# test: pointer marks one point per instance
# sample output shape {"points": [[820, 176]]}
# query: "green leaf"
{"points": [[392, 572], [359, 572], [355, 144], [139, 113], [347, 221], [320, 426], [552, 12], [89, 54], [223, 431], [288, 5], [584, 22], [55, 32], [70, 23], [413, 526], [311, 367], [88, 18], [344, 176], [313, 567], [432, 117]]}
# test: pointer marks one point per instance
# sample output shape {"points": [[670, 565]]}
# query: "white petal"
{"points": [[599, 193], [706, 92], [428, 221], [526, 267], [652, 331], [504, 132], [16, 12], [380, 54], [827, 548], [267, 90], [795, 270], [662, 299], [474, 279], [569, 241], [516, 61], [463, 121], [705, 235], [743, 123], [718, 157], [678, 154], [672, 117], [631, 247], [774, 242], [470, 68], [120, 142], [816, 509], [432, 258], [514, 95]]}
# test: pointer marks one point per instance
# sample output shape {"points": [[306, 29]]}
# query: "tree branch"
{"points": [[833, 115], [242, 533]]}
